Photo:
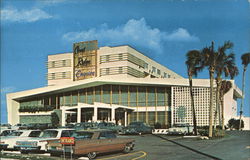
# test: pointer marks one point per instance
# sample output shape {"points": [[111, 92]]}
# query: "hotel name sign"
{"points": [[85, 59]]}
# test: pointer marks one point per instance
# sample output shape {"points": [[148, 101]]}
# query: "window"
{"points": [[145, 65], [34, 133], [53, 64], [107, 135], [165, 75], [120, 70], [53, 76], [50, 134], [158, 71], [63, 63], [66, 133], [107, 58], [63, 74], [153, 69], [107, 71], [120, 56]]}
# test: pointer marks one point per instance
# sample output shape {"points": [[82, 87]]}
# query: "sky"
{"points": [[164, 30]]}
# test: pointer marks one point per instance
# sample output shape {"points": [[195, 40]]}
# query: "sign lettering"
{"points": [[67, 140], [82, 62]]}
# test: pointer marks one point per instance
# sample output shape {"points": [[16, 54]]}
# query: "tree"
{"points": [[225, 87], [224, 64], [193, 63], [245, 61], [54, 119], [209, 57], [234, 123]]}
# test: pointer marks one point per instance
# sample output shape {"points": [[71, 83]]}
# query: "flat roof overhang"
{"points": [[57, 89]]}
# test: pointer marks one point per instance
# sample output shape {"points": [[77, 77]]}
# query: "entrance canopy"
{"points": [[95, 107]]}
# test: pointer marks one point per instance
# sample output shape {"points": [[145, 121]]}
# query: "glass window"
{"points": [[141, 96], [74, 98], [82, 135], [106, 94], [151, 96], [124, 95], [98, 94], [133, 95], [153, 69], [82, 96], [16, 133], [49, 134], [165, 75], [66, 133], [90, 96], [67, 98], [151, 118], [115, 94], [142, 116], [158, 71], [34, 133], [145, 65], [160, 96]]}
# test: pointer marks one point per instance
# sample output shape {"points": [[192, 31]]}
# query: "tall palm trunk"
{"points": [[242, 99], [192, 103], [217, 113], [222, 112], [211, 75]]}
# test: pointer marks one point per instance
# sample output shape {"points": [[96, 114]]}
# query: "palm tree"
{"points": [[225, 87], [209, 57], [224, 64], [245, 61], [193, 63]]}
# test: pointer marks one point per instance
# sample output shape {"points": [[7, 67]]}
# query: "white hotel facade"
{"points": [[114, 84]]}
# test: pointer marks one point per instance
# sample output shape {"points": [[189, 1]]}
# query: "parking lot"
{"points": [[236, 145]]}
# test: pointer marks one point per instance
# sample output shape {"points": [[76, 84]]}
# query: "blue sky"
{"points": [[163, 30]]}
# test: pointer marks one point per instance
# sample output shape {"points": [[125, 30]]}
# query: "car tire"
{"points": [[127, 148], [92, 155]]}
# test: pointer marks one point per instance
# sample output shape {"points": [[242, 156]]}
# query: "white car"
{"points": [[39, 144], [8, 142]]}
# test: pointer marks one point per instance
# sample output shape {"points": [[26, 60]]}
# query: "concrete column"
{"points": [[126, 119], [95, 114], [112, 114], [79, 115], [63, 117]]}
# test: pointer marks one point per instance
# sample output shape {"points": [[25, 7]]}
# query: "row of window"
{"points": [[59, 63], [59, 75], [121, 70], [111, 94]]}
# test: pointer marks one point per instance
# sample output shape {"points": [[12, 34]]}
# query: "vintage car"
{"points": [[39, 144], [181, 129], [137, 128], [90, 143], [85, 125], [110, 126], [8, 142]]}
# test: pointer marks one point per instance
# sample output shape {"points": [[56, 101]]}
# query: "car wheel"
{"points": [[127, 148], [92, 155]]}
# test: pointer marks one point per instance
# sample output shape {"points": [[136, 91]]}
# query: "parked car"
{"points": [[137, 128], [110, 126], [181, 129], [85, 125], [39, 144], [8, 142], [91, 143]]}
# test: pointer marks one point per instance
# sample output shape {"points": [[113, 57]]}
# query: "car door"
{"points": [[107, 142]]}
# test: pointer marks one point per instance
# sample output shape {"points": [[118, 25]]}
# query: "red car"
{"points": [[90, 143]]}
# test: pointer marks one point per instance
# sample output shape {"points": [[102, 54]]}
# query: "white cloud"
{"points": [[15, 15], [7, 89], [136, 32]]}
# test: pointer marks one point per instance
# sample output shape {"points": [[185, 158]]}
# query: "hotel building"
{"points": [[114, 84]]}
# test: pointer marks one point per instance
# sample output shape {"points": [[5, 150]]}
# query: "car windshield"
{"points": [[82, 135], [16, 133], [49, 134], [34, 133]]}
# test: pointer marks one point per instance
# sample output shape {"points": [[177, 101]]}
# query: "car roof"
{"points": [[59, 129]]}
